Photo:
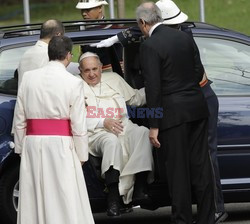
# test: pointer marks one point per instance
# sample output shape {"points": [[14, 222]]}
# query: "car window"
{"points": [[76, 52], [227, 64], [9, 60]]}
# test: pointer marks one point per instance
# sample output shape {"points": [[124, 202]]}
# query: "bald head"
{"points": [[148, 5], [51, 28]]}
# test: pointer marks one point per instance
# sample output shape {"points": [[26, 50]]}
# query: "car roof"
{"points": [[200, 29], [101, 29]]}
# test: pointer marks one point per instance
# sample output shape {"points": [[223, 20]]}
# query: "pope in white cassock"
{"points": [[51, 137], [124, 146]]}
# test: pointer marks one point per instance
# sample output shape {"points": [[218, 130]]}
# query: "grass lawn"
{"points": [[231, 14]]}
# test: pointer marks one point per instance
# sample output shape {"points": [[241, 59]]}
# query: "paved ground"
{"points": [[238, 214]]}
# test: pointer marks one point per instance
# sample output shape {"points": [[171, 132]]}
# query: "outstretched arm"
{"points": [[106, 43], [126, 37]]}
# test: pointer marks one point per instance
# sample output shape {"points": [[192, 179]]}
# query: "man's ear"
{"points": [[80, 69], [68, 57], [142, 21], [101, 67]]}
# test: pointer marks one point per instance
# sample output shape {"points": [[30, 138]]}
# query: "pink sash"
{"points": [[48, 127]]}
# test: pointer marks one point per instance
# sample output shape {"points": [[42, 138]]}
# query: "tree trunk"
{"points": [[121, 8]]}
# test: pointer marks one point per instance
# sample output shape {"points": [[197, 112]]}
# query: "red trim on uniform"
{"points": [[203, 83], [107, 67]]}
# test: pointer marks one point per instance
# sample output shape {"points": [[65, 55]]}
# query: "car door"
{"points": [[9, 59], [227, 64]]}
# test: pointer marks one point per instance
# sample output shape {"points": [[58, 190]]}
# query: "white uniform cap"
{"points": [[88, 4], [170, 12]]}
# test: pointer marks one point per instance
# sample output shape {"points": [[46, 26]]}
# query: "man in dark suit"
{"points": [[172, 71]]}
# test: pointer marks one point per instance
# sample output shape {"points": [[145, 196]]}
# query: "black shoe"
{"points": [[140, 195], [140, 198], [220, 217], [126, 208], [113, 200], [113, 209]]}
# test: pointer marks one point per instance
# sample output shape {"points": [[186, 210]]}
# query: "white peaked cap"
{"points": [[170, 12], [88, 4]]}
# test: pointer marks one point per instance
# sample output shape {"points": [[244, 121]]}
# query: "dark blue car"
{"points": [[226, 58]]}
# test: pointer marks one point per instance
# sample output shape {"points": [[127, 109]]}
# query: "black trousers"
{"points": [[213, 106], [112, 176], [189, 170]]}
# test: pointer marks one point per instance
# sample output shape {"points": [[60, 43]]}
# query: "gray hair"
{"points": [[149, 12]]}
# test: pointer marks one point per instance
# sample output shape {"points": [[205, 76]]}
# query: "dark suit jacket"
{"points": [[172, 71]]}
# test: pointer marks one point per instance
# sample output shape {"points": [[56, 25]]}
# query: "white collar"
{"points": [[153, 28], [57, 64], [42, 43]]}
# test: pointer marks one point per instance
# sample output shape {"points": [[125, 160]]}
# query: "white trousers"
{"points": [[130, 153]]}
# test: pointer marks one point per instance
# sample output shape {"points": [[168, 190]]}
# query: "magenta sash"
{"points": [[48, 127]]}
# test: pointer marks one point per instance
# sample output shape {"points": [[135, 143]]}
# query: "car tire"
{"points": [[9, 195]]}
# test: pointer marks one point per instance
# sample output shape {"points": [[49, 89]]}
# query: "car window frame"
{"points": [[10, 47], [221, 36], [76, 38]]}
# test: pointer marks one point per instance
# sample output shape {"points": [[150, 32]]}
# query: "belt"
{"points": [[203, 83], [48, 127]]}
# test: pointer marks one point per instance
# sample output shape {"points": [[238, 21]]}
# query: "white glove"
{"points": [[106, 43]]}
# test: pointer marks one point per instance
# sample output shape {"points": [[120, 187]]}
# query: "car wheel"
{"points": [[9, 192]]}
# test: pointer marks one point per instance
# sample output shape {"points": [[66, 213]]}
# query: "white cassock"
{"points": [[35, 57], [131, 151], [52, 186]]}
